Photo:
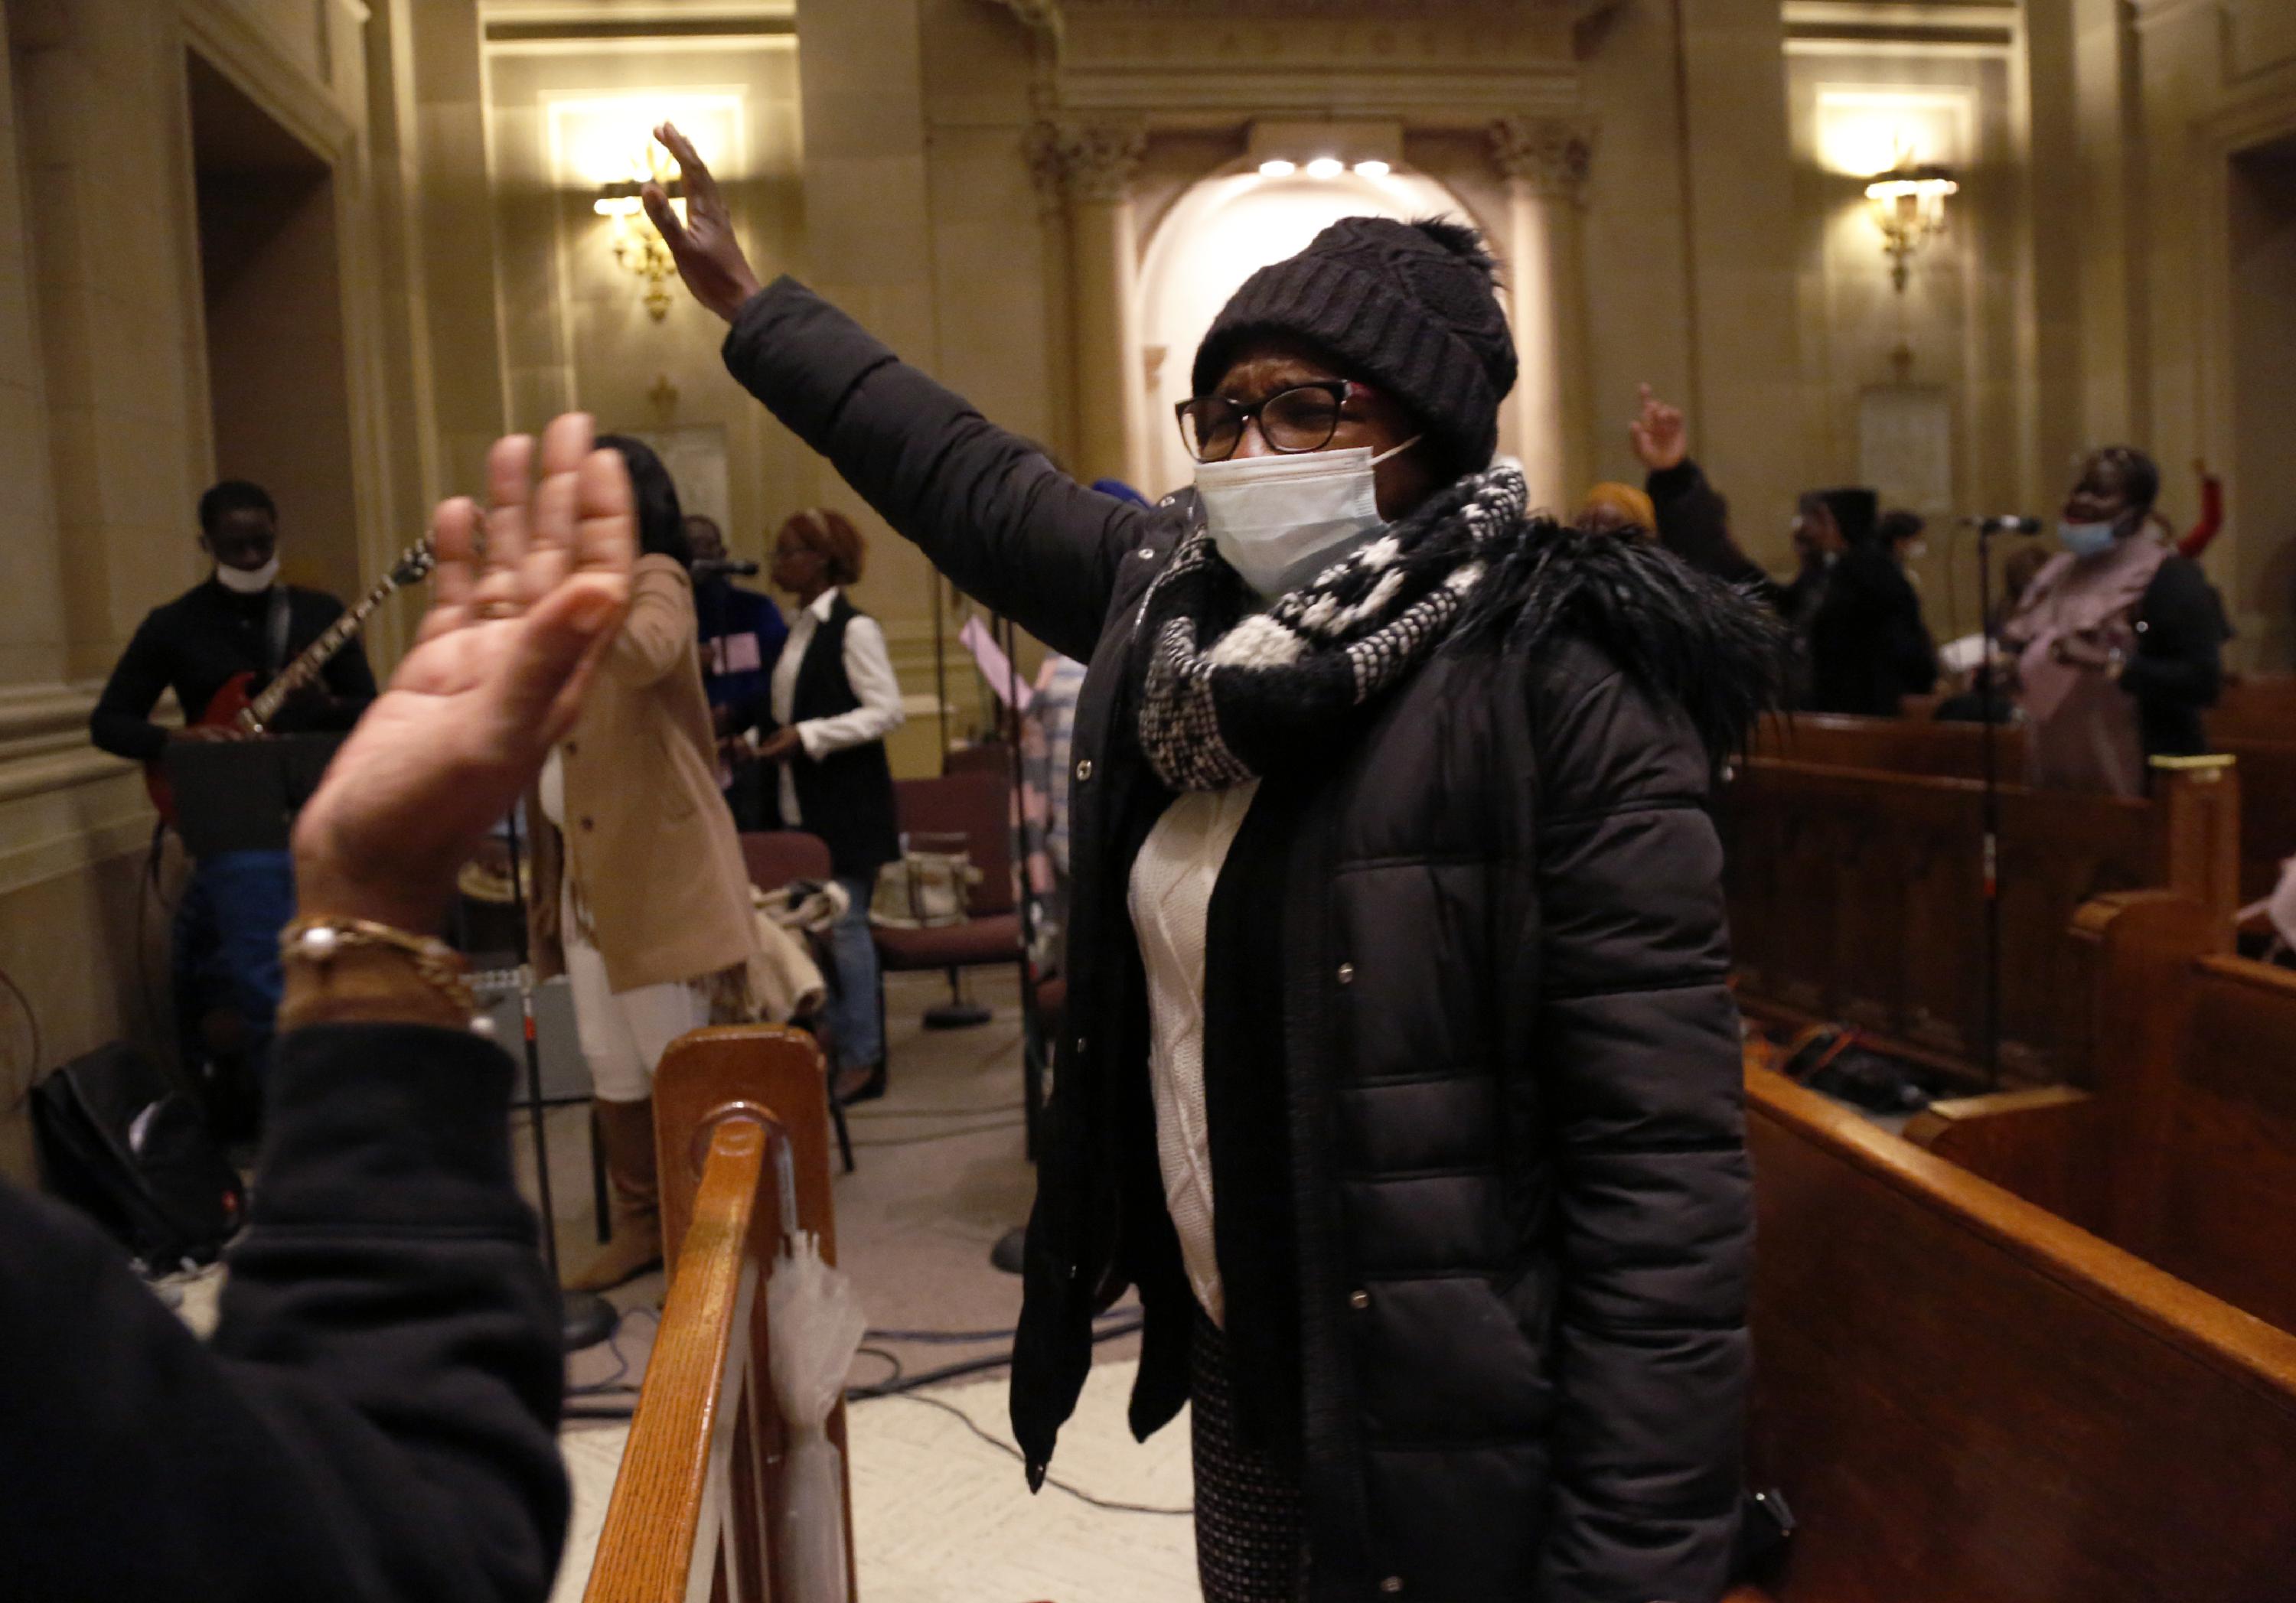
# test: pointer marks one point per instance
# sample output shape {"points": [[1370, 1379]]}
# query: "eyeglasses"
{"points": [[1300, 418]]}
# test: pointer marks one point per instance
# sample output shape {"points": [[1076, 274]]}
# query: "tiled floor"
{"points": [[938, 1513]]}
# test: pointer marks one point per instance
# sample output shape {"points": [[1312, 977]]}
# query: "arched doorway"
{"points": [[1217, 234]]}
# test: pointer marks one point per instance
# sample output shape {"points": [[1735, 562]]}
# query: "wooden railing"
{"points": [[1965, 1398], [741, 1128]]}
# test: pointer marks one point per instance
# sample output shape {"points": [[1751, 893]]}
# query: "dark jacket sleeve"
{"points": [[1693, 523], [374, 1418], [2179, 660], [986, 506], [1638, 1042], [121, 722]]}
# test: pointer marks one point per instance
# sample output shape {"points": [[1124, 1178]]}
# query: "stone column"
{"points": [[1545, 161], [1089, 167]]}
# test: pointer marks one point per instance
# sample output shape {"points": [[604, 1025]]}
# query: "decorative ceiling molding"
{"points": [[1043, 16], [1902, 26], [1085, 162], [1552, 154]]}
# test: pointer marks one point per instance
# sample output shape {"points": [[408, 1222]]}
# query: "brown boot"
{"points": [[625, 1131]]}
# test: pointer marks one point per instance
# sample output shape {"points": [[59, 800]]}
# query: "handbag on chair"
{"points": [[928, 886]]}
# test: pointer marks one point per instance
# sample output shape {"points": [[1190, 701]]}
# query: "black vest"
{"points": [[847, 797]]}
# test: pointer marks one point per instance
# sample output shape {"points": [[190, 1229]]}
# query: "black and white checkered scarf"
{"points": [[1228, 693]]}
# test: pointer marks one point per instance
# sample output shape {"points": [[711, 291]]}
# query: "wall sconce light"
{"points": [[1908, 204], [638, 246]]}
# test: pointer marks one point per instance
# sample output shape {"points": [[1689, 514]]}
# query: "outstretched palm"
{"points": [[497, 675]]}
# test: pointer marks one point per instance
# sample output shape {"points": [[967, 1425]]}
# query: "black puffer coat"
{"points": [[1514, 1090]]}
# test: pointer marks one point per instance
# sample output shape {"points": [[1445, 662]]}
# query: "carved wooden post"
{"points": [[2136, 950], [2200, 800]]}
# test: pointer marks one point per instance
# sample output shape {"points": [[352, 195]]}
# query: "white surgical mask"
{"points": [[248, 581], [2085, 539], [1278, 519]]}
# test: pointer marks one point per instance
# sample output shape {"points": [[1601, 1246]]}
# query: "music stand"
{"points": [[242, 796]]}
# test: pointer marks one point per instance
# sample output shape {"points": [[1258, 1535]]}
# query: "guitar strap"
{"points": [[275, 654]]}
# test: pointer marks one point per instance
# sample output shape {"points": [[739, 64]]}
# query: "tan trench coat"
{"points": [[648, 840]]}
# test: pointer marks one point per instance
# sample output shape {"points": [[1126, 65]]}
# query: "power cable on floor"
{"points": [[966, 1338], [858, 1114], [895, 1386], [973, 1366], [619, 1380], [942, 1135]]}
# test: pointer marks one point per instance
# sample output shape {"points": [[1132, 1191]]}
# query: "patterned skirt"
{"points": [[1250, 1538]]}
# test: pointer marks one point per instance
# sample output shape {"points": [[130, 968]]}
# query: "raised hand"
{"points": [[1658, 434], [504, 654], [708, 257]]}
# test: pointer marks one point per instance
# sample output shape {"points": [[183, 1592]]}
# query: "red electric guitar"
{"points": [[239, 705]]}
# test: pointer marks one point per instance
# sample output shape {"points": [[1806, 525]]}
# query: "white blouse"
{"points": [[1172, 882]]}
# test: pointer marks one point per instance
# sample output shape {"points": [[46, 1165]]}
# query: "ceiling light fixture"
{"points": [[1278, 169], [1372, 169], [1326, 167]]}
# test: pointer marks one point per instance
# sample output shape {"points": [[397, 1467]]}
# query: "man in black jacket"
{"points": [[1468, 1321], [236, 629], [1867, 646], [376, 1417]]}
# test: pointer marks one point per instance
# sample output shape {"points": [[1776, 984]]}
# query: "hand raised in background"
{"points": [[1659, 435], [708, 257], [494, 679]]}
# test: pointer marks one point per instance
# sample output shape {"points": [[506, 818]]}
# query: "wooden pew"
{"points": [[2259, 734], [1967, 1400], [1859, 895], [2179, 1142], [692, 1512], [2255, 707], [1893, 744], [2268, 811]]}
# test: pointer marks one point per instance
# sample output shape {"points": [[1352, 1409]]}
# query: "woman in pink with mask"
{"points": [[2118, 639]]}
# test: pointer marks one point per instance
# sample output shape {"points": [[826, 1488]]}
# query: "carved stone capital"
{"points": [[1085, 161], [1552, 154], [1043, 16]]}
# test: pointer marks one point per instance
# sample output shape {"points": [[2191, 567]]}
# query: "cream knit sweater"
{"points": [[1172, 882]]}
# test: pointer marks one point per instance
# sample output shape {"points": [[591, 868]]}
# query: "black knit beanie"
{"points": [[1410, 307], [1855, 510]]}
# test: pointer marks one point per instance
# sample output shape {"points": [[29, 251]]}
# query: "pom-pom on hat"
{"points": [[1412, 308]]}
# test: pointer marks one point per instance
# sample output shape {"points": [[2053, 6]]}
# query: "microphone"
{"points": [[711, 568], [2004, 523]]}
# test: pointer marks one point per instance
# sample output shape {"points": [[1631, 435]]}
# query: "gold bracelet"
{"points": [[316, 941]]}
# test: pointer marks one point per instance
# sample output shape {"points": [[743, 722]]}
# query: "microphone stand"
{"points": [[585, 1319], [1992, 811]]}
